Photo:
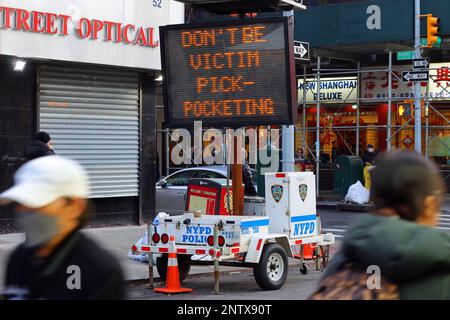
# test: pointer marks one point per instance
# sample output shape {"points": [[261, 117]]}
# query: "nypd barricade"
{"points": [[264, 243]]}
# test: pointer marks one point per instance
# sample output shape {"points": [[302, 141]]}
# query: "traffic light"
{"points": [[432, 31]]}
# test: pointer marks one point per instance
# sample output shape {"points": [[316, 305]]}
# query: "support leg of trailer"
{"points": [[150, 258], [216, 262]]}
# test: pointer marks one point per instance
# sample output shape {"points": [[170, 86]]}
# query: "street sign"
{"points": [[415, 76], [405, 55], [420, 64], [228, 73], [301, 50]]}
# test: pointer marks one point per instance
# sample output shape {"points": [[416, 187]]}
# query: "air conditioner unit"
{"points": [[229, 6]]}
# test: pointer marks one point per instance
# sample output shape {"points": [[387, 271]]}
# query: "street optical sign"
{"points": [[229, 74], [104, 32], [85, 28]]}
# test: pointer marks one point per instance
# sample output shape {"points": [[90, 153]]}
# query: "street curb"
{"points": [[330, 206]]}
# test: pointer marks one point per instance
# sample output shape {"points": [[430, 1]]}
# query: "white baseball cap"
{"points": [[43, 180]]}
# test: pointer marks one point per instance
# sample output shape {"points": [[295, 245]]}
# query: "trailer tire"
{"points": [[272, 270], [184, 265], [303, 269]]}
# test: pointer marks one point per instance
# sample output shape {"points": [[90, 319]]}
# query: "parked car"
{"points": [[171, 190]]}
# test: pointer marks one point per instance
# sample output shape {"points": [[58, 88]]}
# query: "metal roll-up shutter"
{"points": [[92, 116]]}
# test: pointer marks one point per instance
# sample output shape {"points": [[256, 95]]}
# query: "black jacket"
{"points": [[37, 149], [368, 157], [30, 278], [247, 176]]}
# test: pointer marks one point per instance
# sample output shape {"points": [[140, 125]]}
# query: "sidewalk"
{"points": [[117, 240]]}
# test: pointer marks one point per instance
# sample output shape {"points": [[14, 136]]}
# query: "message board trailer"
{"points": [[290, 228], [230, 73], [242, 241]]}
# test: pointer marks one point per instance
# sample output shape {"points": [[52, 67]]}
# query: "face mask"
{"points": [[39, 228], [370, 150]]}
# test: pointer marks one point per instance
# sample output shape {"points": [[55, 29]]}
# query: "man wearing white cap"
{"points": [[56, 261]]}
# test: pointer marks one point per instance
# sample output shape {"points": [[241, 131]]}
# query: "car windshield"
{"points": [[209, 175], [180, 178]]}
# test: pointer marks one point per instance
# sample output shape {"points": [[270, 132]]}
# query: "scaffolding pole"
{"points": [[358, 105], [318, 127], [167, 151], [305, 153], [389, 111], [426, 118]]}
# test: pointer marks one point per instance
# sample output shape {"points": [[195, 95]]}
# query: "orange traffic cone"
{"points": [[173, 276]]}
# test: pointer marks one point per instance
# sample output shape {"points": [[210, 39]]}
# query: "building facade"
{"points": [[355, 41], [85, 72]]}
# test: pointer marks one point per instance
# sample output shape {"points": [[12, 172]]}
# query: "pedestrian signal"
{"points": [[404, 109]]}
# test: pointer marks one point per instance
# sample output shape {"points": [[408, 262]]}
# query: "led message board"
{"points": [[229, 74]]}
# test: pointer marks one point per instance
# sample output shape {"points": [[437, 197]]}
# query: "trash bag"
{"points": [[144, 240], [139, 257], [357, 194]]}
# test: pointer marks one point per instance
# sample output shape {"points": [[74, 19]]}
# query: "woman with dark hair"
{"points": [[40, 146], [395, 253]]}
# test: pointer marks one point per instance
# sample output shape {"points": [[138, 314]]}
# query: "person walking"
{"points": [[56, 261], [40, 146], [394, 252], [368, 157]]}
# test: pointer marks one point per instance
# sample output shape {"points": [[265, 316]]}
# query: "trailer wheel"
{"points": [[184, 265], [272, 270], [303, 268]]}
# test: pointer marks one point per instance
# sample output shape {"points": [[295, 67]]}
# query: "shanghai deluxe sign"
{"points": [[58, 24], [336, 90], [233, 74]]}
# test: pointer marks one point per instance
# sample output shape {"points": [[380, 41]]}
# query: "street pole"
{"points": [[288, 132], [288, 148], [417, 93], [389, 111], [318, 127]]}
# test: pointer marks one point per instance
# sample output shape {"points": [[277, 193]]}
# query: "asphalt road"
{"points": [[338, 222], [238, 285], [241, 284]]}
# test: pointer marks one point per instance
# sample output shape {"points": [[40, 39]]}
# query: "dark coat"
{"points": [[247, 176], [368, 157], [414, 257], [30, 278], [37, 149]]}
